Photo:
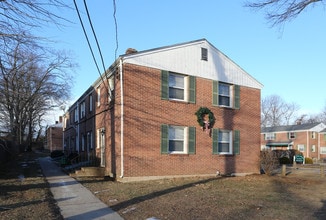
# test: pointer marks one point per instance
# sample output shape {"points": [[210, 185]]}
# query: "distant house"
{"points": [[306, 138], [54, 139], [322, 141], [139, 117]]}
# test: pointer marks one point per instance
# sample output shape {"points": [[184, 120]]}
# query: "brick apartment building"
{"points": [[54, 134], [139, 118], [309, 138]]}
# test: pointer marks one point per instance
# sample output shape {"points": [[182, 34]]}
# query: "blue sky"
{"points": [[289, 62]]}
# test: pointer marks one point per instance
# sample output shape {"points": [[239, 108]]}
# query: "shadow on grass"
{"points": [[136, 200]]}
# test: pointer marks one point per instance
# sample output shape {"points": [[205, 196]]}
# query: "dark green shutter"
{"points": [[236, 96], [164, 139], [236, 142], [192, 89], [164, 84], [215, 140], [192, 140], [215, 92]]}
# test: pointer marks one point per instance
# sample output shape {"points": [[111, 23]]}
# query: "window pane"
{"points": [[176, 81], [175, 145], [176, 93], [223, 100], [223, 147], [223, 136], [176, 133], [223, 89]]}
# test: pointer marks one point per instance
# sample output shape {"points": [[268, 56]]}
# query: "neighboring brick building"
{"points": [[54, 139], [143, 121], [306, 138]]}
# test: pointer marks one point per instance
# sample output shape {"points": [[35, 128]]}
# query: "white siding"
{"points": [[186, 58]]}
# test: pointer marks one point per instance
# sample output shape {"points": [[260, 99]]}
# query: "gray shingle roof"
{"points": [[289, 127]]}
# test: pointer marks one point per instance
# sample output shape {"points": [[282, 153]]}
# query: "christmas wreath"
{"points": [[202, 111]]}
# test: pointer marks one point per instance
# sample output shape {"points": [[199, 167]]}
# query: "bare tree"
{"points": [[29, 84], [18, 16], [281, 11], [275, 111]]}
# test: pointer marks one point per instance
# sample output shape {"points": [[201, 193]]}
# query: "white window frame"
{"points": [[313, 148], [300, 147], [291, 135], [171, 136], [323, 150], [76, 114], [185, 87], [229, 141], [90, 103], [229, 95], [82, 109], [313, 135], [270, 136], [100, 141]]}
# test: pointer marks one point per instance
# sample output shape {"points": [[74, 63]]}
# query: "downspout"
{"points": [[307, 149], [318, 150], [122, 119]]}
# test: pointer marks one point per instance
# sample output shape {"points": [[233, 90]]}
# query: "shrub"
{"points": [[284, 160], [308, 160], [268, 161], [56, 153]]}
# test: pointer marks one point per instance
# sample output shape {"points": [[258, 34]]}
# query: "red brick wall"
{"points": [[144, 112]]}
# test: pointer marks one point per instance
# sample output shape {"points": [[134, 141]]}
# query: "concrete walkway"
{"points": [[74, 200]]}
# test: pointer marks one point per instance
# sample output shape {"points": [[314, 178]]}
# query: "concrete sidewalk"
{"points": [[74, 200]]}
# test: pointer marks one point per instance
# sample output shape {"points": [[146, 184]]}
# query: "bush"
{"points": [[56, 153], [308, 160], [285, 160], [268, 161]]}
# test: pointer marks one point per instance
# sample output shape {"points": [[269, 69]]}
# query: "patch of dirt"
{"points": [[250, 197], [24, 192]]}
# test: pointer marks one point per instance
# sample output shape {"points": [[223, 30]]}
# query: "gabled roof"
{"points": [[301, 127], [185, 58]]}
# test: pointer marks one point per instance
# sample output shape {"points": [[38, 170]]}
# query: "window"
{"points": [[226, 142], [178, 87], [100, 137], [204, 54], [82, 109], [301, 147], [90, 103], [226, 95], [98, 96], [292, 135], [178, 139], [76, 114], [90, 140], [111, 88], [313, 135], [323, 150], [313, 148], [270, 136], [83, 142]]}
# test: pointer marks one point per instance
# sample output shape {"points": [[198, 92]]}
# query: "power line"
{"points": [[89, 45], [116, 29], [91, 24]]}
